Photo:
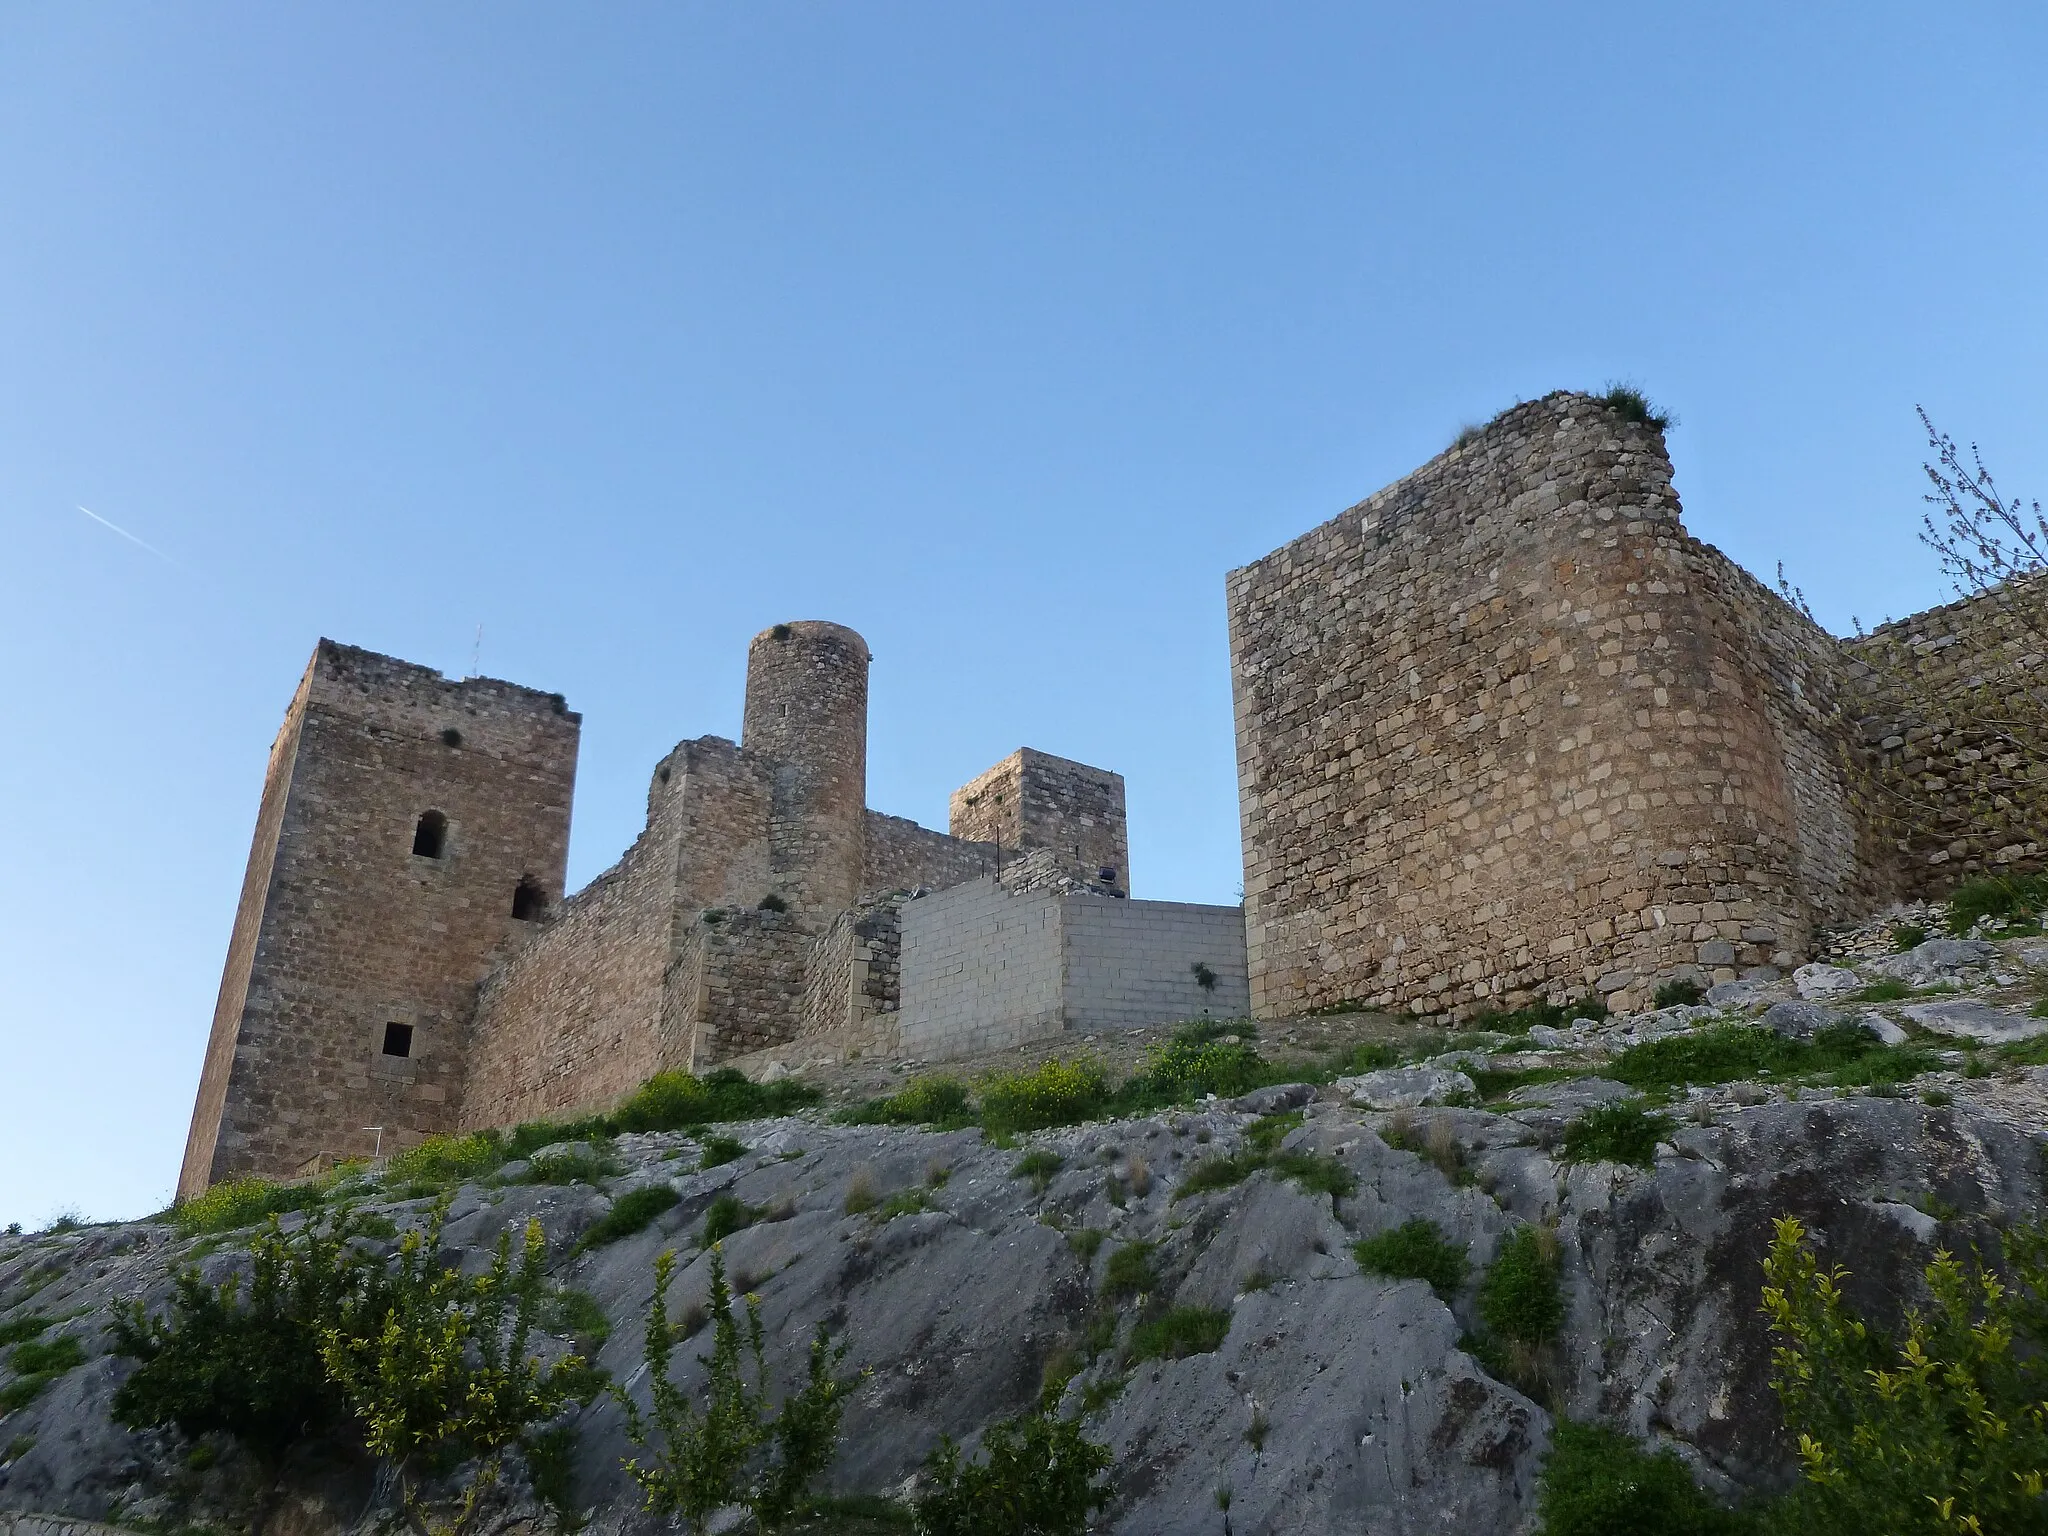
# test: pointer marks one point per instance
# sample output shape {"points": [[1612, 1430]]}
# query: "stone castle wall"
{"points": [[1954, 795], [345, 931], [901, 856], [1500, 733]]}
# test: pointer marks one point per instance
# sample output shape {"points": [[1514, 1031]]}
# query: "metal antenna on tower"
{"points": [[476, 654]]}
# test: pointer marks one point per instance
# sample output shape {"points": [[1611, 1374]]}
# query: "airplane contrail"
{"points": [[88, 511]]}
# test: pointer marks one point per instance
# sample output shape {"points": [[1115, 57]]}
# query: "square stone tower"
{"points": [[411, 828], [1032, 800]]}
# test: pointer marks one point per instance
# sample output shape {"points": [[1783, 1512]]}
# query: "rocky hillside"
{"points": [[1204, 1280]]}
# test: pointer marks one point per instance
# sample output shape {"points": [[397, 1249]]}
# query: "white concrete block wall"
{"points": [[981, 971], [1131, 963], [985, 970]]}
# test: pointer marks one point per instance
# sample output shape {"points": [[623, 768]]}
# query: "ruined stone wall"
{"points": [[1956, 794], [742, 981], [1499, 735], [852, 986], [581, 1015], [1032, 800], [354, 932], [901, 856]]}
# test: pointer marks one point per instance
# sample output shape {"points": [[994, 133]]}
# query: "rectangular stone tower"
{"points": [[410, 828], [1032, 800]]}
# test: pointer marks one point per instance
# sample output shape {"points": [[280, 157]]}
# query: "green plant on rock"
{"points": [[36, 1364], [1630, 404], [731, 1449], [1054, 1093], [1038, 1165], [936, 1100], [434, 1366], [235, 1203], [2014, 898], [1598, 1482], [443, 1160], [1680, 993], [1037, 1476], [632, 1212], [1177, 1333], [1942, 1430], [720, 1150], [1620, 1132], [727, 1214], [1522, 1307], [1130, 1271], [1415, 1250], [243, 1358]]}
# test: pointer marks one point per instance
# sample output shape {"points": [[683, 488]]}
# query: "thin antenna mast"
{"points": [[476, 654]]}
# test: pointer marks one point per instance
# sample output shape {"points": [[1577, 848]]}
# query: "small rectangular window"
{"points": [[397, 1039]]}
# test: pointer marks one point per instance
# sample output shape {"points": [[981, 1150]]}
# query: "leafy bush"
{"points": [[1907, 936], [1268, 1131], [1038, 1165], [2013, 897], [732, 1449], [1678, 994], [36, 1364], [728, 1214], [1085, 1242], [575, 1314], [26, 1327], [1945, 1430], [1845, 1054], [1055, 1093], [1188, 1069], [1889, 990], [675, 1101], [433, 1365], [246, 1362], [720, 1150], [1316, 1174], [1519, 1297], [1415, 1250], [1630, 404], [1521, 1020], [630, 1213], [1598, 1482], [1621, 1132], [1130, 1271], [1219, 1172], [442, 1160], [1178, 1333], [236, 1203], [1037, 1478], [936, 1100]]}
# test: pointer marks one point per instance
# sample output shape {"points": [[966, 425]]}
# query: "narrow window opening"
{"points": [[528, 901], [430, 836], [397, 1039]]}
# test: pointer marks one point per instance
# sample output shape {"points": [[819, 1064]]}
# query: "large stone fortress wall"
{"points": [[1506, 729], [760, 903], [361, 935]]}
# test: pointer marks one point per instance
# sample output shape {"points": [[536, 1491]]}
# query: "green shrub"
{"points": [[1621, 1132], [630, 1213], [235, 1203], [20, 1328], [1218, 1172], [244, 1361], [443, 1160], [1678, 994], [1944, 1430], [36, 1363], [1085, 1242], [1907, 936], [731, 1450], [1199, 1031], [1519, 1297], [1598, 1482], [1130, 1271], [1178, 1333], [1889, 990], [728, 1214], [1314, 1173], [937, 1100], [1521, 1020], [905, 1202], [1268, 1131], [1845, 1054], [720, 1150], [1415, 1250], [1630, 404], [575, 1314], [2013, 897], [771, 903], [1188, 1069], [1054, 1093], [675, 1101], [1037, 1477], [434, 1369], [1038, 1165]]}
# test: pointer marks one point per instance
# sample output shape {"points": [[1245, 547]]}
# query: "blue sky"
{"points": [[997, 332]]}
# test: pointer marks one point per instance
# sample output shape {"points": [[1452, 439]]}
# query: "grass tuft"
{"points": [[1622, 1132], [1178, 1333], [1630, 404], [1415, 1250], [631, 1212]]}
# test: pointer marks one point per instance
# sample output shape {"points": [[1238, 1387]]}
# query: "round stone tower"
{"points": [[807, 716]]}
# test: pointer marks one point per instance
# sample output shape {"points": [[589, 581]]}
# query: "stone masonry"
{"points": [[403, 962], [1506, 729]]}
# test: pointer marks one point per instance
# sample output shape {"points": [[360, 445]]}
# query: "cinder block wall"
{"points": [[981, 971], [1131, 963]]}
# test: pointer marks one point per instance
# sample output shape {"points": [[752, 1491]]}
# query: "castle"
{"points": [[1504, 729], [403, 962]]}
